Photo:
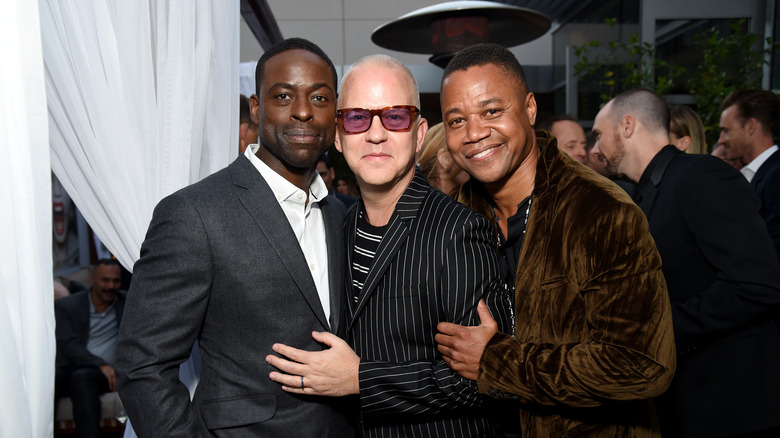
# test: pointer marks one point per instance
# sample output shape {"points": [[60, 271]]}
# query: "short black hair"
{"points": [[548, 123], [107, 262], [483, 54], [292, 44], [762, 105]]}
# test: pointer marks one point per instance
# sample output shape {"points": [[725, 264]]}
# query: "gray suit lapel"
{"points": [[259, 200]]}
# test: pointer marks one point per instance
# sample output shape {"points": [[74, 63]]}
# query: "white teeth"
{"points": [[483, 153]]}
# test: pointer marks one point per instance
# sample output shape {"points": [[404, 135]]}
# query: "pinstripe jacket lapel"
{"points": [[395, 236], [260, 202]]}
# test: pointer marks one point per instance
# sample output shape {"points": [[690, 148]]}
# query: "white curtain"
{"points": [[143, 100], [26, 291]]}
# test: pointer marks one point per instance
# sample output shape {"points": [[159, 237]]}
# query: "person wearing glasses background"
{"points": [[415, 258]]}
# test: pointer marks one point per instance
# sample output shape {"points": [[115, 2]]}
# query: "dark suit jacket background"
{"points": [[722, 276], [766, 183], [435, 261], [72, 332], [221, 265]]}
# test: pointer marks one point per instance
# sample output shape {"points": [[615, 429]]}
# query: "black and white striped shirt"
{"points": [[367, 241]]}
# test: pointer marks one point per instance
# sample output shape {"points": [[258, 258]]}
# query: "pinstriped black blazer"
{"points": [[434, 263]]}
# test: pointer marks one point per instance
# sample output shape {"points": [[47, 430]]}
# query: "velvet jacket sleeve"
{"points": [[469, 271], [593, 315], [164, 312]]}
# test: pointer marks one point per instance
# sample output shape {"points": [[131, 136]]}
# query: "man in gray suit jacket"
{"points": [[416, 258], [249, 256]]}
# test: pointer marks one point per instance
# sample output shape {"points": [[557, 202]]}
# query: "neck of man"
{"points": [[380, 201], [301, 178], [100, 305], [758, 148], [639, 155], [510, 192]]}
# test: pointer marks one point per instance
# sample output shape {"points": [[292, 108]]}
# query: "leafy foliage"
{"points": [[729, 63]]}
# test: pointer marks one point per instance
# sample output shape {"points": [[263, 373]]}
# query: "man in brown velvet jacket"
{"points": [[593, 337]]}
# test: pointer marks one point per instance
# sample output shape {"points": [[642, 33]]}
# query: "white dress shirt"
{"points": [[751, 168], [305, 219]]}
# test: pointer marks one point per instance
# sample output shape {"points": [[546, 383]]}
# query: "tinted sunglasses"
{"points": [[394, 118]]}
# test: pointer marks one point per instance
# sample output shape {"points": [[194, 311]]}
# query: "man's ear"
{"points": [[751, 125], [337, 142], [422, 130], [530, 107], [254, 108], [627, 126]]}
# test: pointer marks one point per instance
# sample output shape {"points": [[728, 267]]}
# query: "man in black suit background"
{"points": [[746, 126], [416, 258], [251, 255], [87, 330], [720, 269]]}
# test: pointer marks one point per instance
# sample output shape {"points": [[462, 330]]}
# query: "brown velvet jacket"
{"points": [[593, 340]]}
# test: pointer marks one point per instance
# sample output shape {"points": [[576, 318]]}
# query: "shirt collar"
{"points": [[280, 186], [759, 160]]}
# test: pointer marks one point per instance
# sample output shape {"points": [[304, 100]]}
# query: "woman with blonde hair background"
{"points": [[436, 163], [686, 131]]}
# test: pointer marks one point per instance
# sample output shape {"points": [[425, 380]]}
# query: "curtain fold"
{"points": [[27, 345], [143, 100]]}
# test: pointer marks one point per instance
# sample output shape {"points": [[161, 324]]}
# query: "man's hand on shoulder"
{"points": [[462, 347]]}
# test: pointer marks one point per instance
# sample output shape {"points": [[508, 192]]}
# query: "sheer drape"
{"points": [[143, 100], [26, 292]]}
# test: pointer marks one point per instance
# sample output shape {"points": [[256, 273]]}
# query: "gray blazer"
{"points": [[221, 265]]}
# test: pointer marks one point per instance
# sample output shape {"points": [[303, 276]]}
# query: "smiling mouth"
{"points": [[483, 153]]}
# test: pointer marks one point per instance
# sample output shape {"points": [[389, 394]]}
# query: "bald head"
{"points": [[383, 62], [646, 107]]}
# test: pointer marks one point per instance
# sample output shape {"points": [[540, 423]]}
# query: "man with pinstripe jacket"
{"points": [[417, 258]]}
